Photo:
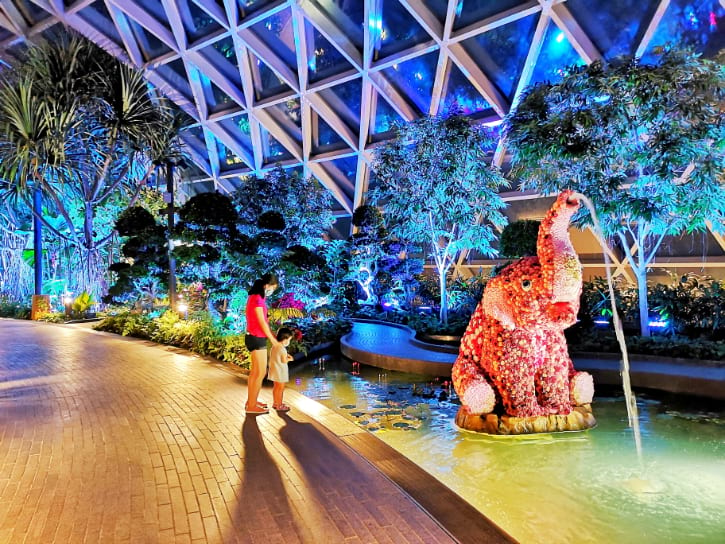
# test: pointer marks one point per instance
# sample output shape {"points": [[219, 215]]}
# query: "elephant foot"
{"points": [[581, 387], [479, 399], [579, 419]]}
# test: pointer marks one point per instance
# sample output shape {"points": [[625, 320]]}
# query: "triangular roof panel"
{"points": [[385, 117], [396, 30], [414, 79], [461, 94], [197, 22], [278, 33], [469, 12], [266, 81], [555, 56], [613, 30], [700, 25], [323, 58], [501, 52]]}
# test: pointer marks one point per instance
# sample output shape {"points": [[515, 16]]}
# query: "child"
{"points": [[278, 371]]}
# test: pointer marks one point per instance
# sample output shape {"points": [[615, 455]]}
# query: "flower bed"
{"points": [[202, 335]]}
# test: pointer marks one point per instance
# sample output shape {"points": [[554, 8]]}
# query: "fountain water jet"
{"points": [[630, 400]]}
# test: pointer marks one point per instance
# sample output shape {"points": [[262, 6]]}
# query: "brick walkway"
{"points": [[105, 439]]}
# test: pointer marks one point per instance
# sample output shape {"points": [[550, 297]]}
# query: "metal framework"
{"points": [[315, 84]]}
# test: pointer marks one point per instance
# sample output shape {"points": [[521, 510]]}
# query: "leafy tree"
{"points": [[399, 269], [81, 131], [643, 142], [16, 275], [302, 202], [438, 188], [211, 249], [366, 250], [145, 264], [518, 239]]}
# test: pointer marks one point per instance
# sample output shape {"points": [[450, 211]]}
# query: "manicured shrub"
{"points": [[13, 308]]}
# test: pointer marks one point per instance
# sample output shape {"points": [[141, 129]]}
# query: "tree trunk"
{"points": [[444, 296], [38, 240], [643, 303], [170, 233]]}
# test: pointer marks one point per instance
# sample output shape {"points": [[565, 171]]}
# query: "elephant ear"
{"points": [[496, 305]]}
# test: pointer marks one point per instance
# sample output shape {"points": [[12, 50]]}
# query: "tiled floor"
{"points": [[105, 439]]}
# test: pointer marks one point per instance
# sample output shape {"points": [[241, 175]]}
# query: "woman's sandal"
{"points": [[262, 406], [281, 407], [256, 411]]}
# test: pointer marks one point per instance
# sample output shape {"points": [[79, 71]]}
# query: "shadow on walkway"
{"points": [[263, 512], [337, 486]]}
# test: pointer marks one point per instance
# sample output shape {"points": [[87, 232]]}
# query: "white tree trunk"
{"points": [[444, 295], [643, 303]]}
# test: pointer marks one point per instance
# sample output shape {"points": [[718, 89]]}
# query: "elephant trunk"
{"points": [[560, 266]]}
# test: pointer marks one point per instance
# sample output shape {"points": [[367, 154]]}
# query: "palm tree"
{"points": [[85, 131], [32, 150]]}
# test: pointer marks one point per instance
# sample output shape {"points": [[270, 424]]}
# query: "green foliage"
{"points": [[13, 308], [518, 239], [134, 221], [439, 189], [302, 202], [144, 270], [198, 334], [52, 317], [212, 250], [84, 129], [666, 346], [202, 335], [368, 218], [82, 303], [595, 303], [693, 305], [466, 293], [639, 140], [608, 124]]}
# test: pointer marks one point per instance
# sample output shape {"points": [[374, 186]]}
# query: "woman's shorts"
{"points": [[255, 342]]}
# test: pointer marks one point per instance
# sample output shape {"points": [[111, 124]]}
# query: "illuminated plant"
{"points": [[438, 188], [643, 142]]}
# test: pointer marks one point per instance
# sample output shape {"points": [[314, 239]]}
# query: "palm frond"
{"points": [[280, 315]]}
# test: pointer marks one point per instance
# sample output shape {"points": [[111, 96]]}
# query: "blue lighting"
{"points": [[560, 37], [601, 322], [658, 324]]}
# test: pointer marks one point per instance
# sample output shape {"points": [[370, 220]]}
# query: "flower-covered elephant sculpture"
{"points": [[513, 358]]}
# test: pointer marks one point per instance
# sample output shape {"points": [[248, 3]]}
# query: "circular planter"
{"points": [[444, 339], [579, 419]]}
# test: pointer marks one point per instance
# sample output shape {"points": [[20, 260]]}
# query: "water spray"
{"points": [[630, 400]]}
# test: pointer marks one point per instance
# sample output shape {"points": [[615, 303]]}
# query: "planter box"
{"points": [[40, 307]]}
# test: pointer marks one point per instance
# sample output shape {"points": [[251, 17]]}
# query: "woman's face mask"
{"points": [[268, 291]]}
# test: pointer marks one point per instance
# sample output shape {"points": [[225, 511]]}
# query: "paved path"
{"points": [[106, 439]]}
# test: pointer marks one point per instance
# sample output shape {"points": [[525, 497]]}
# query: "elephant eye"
{"points": [[526, 285]]}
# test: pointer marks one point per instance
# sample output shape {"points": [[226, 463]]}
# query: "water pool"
{"points": [[578, 487]]}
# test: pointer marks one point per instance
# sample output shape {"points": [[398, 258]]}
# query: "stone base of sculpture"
{"points": [[579, 419]]}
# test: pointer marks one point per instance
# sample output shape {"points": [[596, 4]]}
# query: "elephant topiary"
{"points": [[513, 356]]}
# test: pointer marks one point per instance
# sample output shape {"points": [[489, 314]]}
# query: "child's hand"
{"points": [[290, 358]]}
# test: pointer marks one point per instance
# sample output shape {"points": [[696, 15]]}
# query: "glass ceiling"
{"points": [[316, 84]]}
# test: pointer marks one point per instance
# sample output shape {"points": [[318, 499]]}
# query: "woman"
{"points": [[258, 332]]}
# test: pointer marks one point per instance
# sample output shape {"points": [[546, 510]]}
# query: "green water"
{"points": [[577, 487]]}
